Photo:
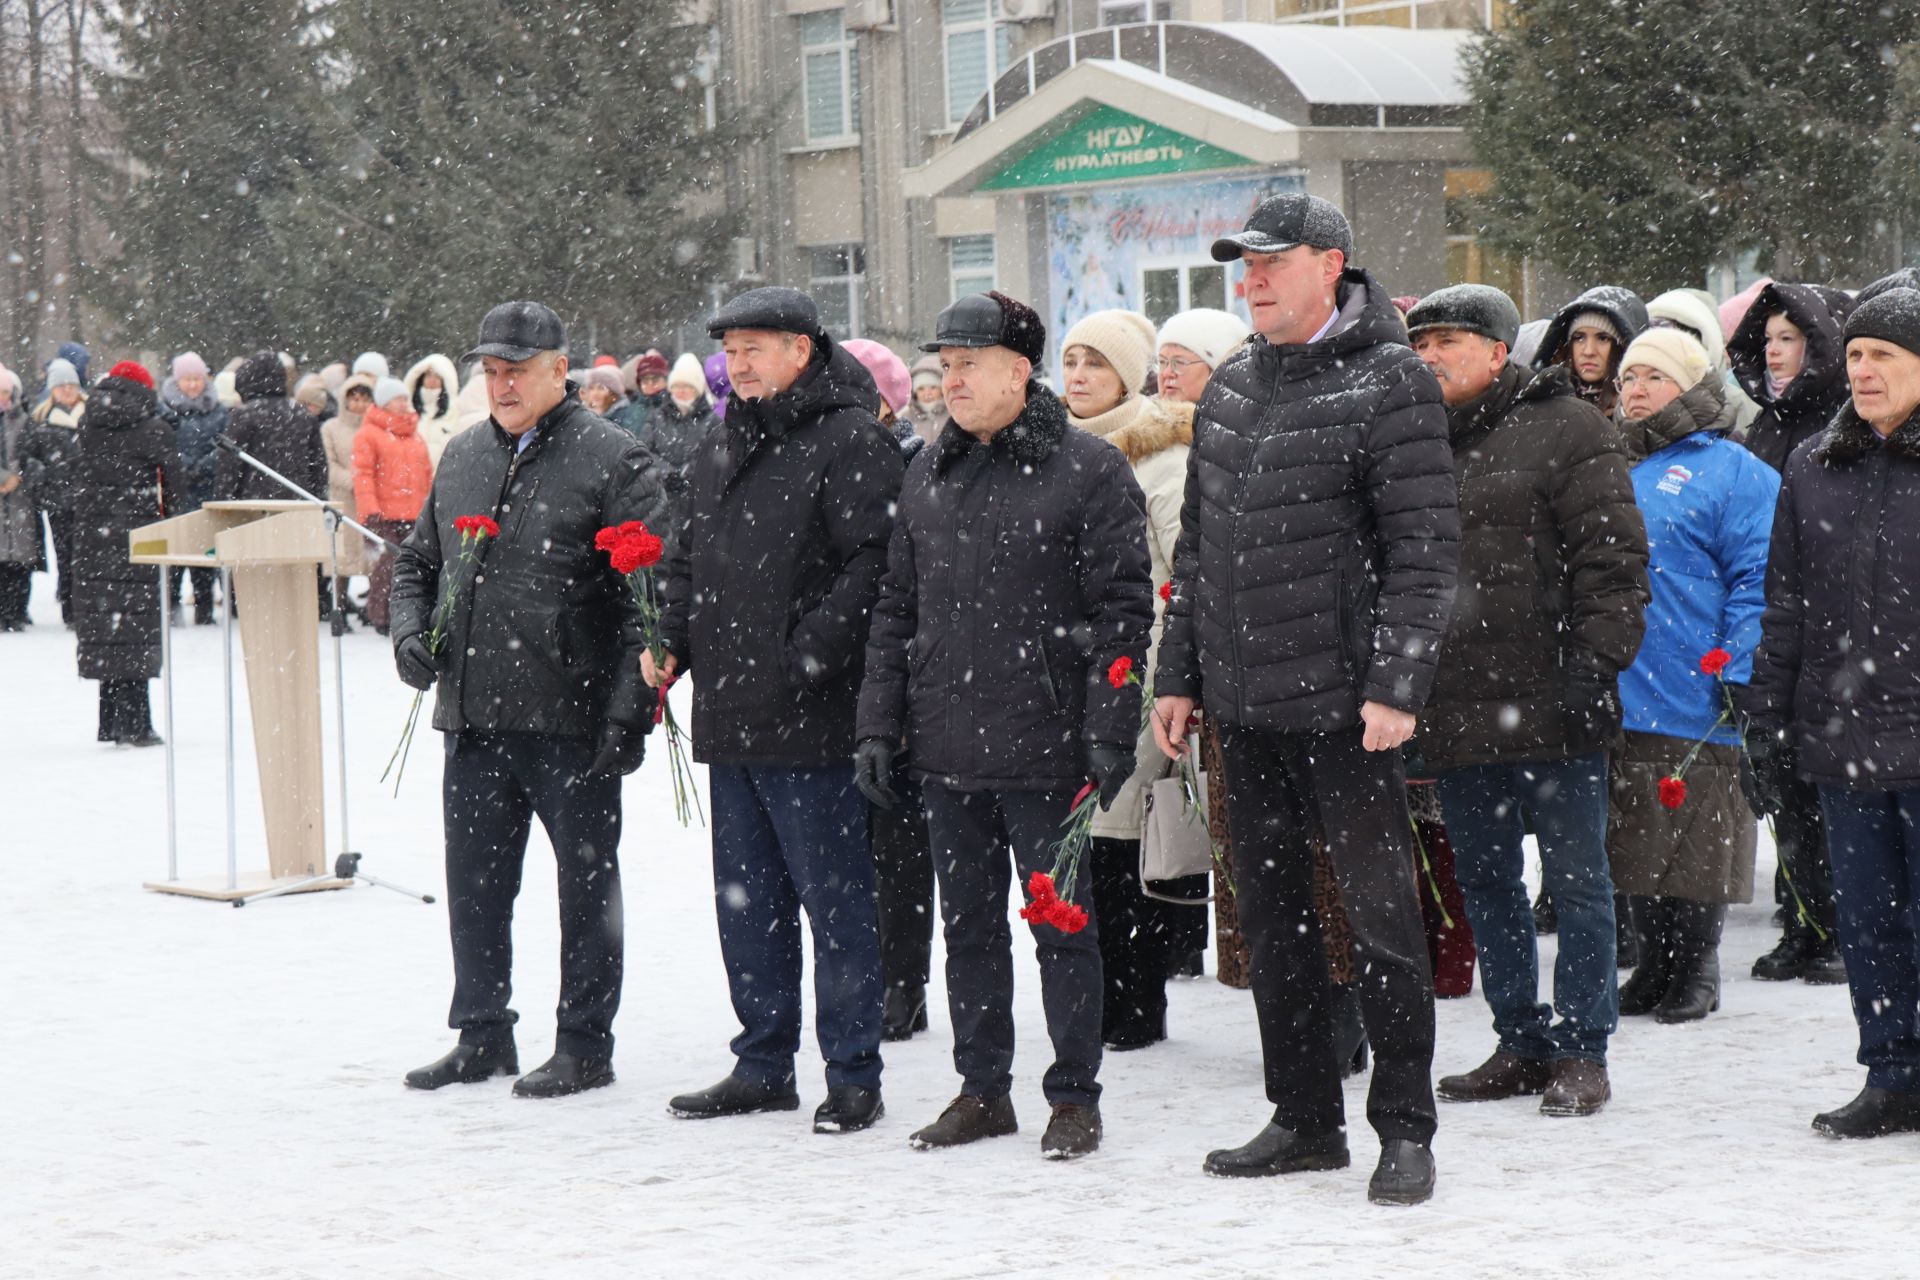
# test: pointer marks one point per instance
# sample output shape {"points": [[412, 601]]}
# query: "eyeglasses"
{"points": [[1651, 381], [1176, 365]]}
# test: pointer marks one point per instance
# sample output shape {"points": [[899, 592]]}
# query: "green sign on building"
{"points": [[1107, 144]]}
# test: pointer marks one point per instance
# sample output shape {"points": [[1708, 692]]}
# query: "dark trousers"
{"points": [[124, 711], [1138, 938], [783, 840], [495, 784], [16, 586], [1567, 802], [203, 580], [1284, 789], [1801, 834], [973, 832], [903, 886], [380, 579], [1874, 837], [60, 529]]}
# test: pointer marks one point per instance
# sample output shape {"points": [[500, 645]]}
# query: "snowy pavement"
{"points": [[218, 1091]]}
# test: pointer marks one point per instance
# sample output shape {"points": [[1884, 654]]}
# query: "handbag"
{"points": [[1174, 840]]}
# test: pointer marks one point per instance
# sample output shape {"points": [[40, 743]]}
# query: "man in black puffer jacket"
{"points": [[1311, 588], [769, 589], [540, 691], [273, 429], [1017, 577]]}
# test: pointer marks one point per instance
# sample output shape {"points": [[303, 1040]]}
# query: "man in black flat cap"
{"points": [[1017, 577], [540, 694], [768, 591]]}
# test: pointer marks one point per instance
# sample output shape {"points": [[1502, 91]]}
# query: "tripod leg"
{"points": [[388, 884], [282, 890]]}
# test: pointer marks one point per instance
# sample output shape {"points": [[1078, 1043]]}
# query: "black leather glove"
{"points": [[621, 751], [1766, 769], [416, 664], [1110, 766], [1593, 707], [873, 771]]}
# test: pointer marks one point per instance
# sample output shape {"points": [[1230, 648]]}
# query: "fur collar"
{"points": [[1850, 439], [1142, 427], [1031, 438]]}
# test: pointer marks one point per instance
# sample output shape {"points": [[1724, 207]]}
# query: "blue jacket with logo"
{"points": [[1708, 504]]}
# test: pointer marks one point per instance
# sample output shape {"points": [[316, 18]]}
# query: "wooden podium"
{"points": [[268, 555]]}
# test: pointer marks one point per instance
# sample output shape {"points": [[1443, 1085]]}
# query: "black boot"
{"points": [[1873, 1114], [849, 1108], [734, 1097], [1788, 959], [563, 1074], [1349, 1031], [1545, 918], [1695, 989], [1643, 992], [904, 1012], [1404, 1174], [467, 1064], [1626, 942], [1825, 966], [1277, 1150]]}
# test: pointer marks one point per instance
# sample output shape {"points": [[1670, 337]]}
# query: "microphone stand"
{"points": [[347, 865]]}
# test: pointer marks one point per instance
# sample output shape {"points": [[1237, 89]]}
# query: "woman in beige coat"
{"points": [[1105, 360], [433, 387], [337, 434]]}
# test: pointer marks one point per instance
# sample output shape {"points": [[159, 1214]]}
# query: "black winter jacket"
{"points": [[1553, 574], [197, 421], [1839, 657], [50, 449], [543, 637], [273, 429], [1018, 573], [1629, 315], [1809, 402], [124, 476], [771, 589], [1319, 538], [676, 439]]}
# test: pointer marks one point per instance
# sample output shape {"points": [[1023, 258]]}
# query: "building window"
{"points": [[1168, 288], [837, 280], [970, 265], [832, 78], [1118, 13], [979, 46]]}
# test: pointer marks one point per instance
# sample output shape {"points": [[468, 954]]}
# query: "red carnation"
{"points": [[1673, 792], [1120, 674], [1166, 591], [1714, 661], [1068, 918], [476, 526]]}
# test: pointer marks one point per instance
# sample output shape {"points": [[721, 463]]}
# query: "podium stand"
{"points": [[269, 554]]}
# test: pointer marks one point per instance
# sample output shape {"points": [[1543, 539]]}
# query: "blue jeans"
{"points": [[784, 839], [1874, 839], [1567, 800]]}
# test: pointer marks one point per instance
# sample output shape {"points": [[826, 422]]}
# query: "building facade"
{"points": [[1082, 154]]}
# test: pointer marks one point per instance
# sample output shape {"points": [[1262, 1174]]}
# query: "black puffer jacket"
{"points": [[1553, 574], [1320, 537], [273, 429], [197, 421], [123, 477], [1018, 574], [1839, 658], [1809, 402], [1618, 304], [544, 636], [770, 592]]}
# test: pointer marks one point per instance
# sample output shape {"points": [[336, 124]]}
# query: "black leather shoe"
{"points": [[848, 1109], [467, 1064], [563, 1074], [1404, 1175], [1275, 1150], [1874, 1114], [904, 1013], [734, 1097]]}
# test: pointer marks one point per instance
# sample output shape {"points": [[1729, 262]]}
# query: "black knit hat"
{"points": [[1476, 308], [1893, 316]]}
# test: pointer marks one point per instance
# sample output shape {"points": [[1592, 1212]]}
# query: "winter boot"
{"points": [[734, 1097], [1825, 966], [904, 1012], [1277, 1149], [1349, 1031], [1579, 1088], [1404, 1174], [1504, 1075], [968, 1119], [1875, 1113], [1545, 918], [1074, 1131], [1694, 991], [849, 1108], [563, 1074], [1188, 964], [1626, 942], [467, 1064], [1643, 992]]}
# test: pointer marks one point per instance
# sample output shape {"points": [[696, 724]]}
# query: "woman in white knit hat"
{"points": [[1104, 363], [1191, 346]]}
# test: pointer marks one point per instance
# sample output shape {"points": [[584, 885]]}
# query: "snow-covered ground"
{"points": [[198, 1091]]}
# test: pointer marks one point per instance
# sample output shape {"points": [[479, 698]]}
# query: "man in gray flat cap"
{"points": [[768, 591], [540, 691]]}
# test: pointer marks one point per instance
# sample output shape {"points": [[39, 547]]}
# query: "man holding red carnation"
{"points": [[1017, 576], [537, 659]]}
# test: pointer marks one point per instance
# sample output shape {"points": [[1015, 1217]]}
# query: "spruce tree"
{"points": [[212, 101]]}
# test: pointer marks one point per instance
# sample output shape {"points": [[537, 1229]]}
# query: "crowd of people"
{"points": [[1411, 578]]}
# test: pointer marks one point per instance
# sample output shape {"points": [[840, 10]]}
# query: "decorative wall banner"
{"points": [[1108, 144]]}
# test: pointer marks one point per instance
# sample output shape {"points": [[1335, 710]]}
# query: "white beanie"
{"points": [[688, 372], [1686, 308], [386, 387], [1212, 335], [61, 373], [223, 388], [1123, 338], [371, 363], [1670, 351]]}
